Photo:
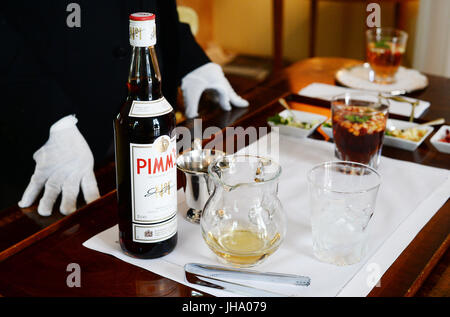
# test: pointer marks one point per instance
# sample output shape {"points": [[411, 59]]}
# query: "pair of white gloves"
{"points": [[65, 162]]}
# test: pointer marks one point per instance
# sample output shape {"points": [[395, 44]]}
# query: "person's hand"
{"points": [[208, 76], [63, 163]]}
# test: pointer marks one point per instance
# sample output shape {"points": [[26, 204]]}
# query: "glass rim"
{"points": [[375, 31], [262, 182], [216, 153], [330, 163], [355, 95]]}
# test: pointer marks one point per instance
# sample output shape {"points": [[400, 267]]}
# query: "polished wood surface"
{"points": [[33, 261]]}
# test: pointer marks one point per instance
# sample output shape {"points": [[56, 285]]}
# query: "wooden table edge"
{"points": [[43, 233], [431, 264]]}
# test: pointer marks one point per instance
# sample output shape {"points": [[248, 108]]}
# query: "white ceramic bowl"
{"points": [[402, 143], [299, 116], [328, 131], [441, 146]]}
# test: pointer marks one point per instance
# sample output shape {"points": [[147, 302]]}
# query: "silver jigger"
{"points": [[194, 164]]}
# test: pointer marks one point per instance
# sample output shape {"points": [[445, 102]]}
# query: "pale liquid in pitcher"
{"points": [[242, 247]]}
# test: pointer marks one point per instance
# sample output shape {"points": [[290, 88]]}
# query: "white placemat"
{"points": [[327, 92], [409, 196]]}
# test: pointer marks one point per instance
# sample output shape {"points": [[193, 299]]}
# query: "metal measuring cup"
{"points": [[194, 163]]}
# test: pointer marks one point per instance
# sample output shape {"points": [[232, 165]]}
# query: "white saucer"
{"points": [[407, 80]]}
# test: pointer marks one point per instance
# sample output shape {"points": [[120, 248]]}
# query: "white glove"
{"points": [[62, 163], [208, 76]]}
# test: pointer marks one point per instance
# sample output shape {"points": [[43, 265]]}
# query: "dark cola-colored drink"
{"points": [[145, 148], [358, 131]]}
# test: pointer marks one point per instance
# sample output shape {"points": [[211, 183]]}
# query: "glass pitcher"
{"points": [[243, 221]]}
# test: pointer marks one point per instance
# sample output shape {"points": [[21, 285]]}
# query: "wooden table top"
{"points": [[35, 251]]}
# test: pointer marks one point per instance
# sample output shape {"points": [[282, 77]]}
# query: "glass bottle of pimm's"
{"points": [[145, 152]]}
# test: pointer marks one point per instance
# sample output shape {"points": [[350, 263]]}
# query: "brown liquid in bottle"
{"points": [[144, 84]]}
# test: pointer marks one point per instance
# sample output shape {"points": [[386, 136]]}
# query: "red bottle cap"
{"points": [[142, 16]]}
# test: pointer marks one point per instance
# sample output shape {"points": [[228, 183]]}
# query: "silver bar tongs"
{"points": [[218, 272]]}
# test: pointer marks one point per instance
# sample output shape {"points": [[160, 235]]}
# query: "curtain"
{"points": [[432, 46]]}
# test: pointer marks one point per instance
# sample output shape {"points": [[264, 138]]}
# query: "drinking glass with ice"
{"points": [[342, 202]]}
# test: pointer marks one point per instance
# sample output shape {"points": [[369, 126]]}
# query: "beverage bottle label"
{"points": [[151, 108], [153, 190]]}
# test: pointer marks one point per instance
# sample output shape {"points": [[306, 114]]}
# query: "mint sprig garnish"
{"points": [[382, 44], [357, 119]]}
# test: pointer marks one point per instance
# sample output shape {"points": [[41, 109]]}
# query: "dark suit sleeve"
{"points": [[179, 52], [191, 55], [31, 102], [32, 99]]}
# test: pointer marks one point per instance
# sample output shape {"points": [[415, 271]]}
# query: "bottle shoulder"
{"points": [[143, 128], [136, 109]]}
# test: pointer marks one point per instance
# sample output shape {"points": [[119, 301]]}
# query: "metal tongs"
{"points": [[209, 275], [395, 97]]}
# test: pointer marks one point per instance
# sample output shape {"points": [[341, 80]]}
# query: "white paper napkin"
{"points": [[409, 196], [327, 92]]}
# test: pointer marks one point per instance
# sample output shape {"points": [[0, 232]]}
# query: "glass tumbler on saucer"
{"points": [[243, 221], [342, 202], [385, 49]]}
